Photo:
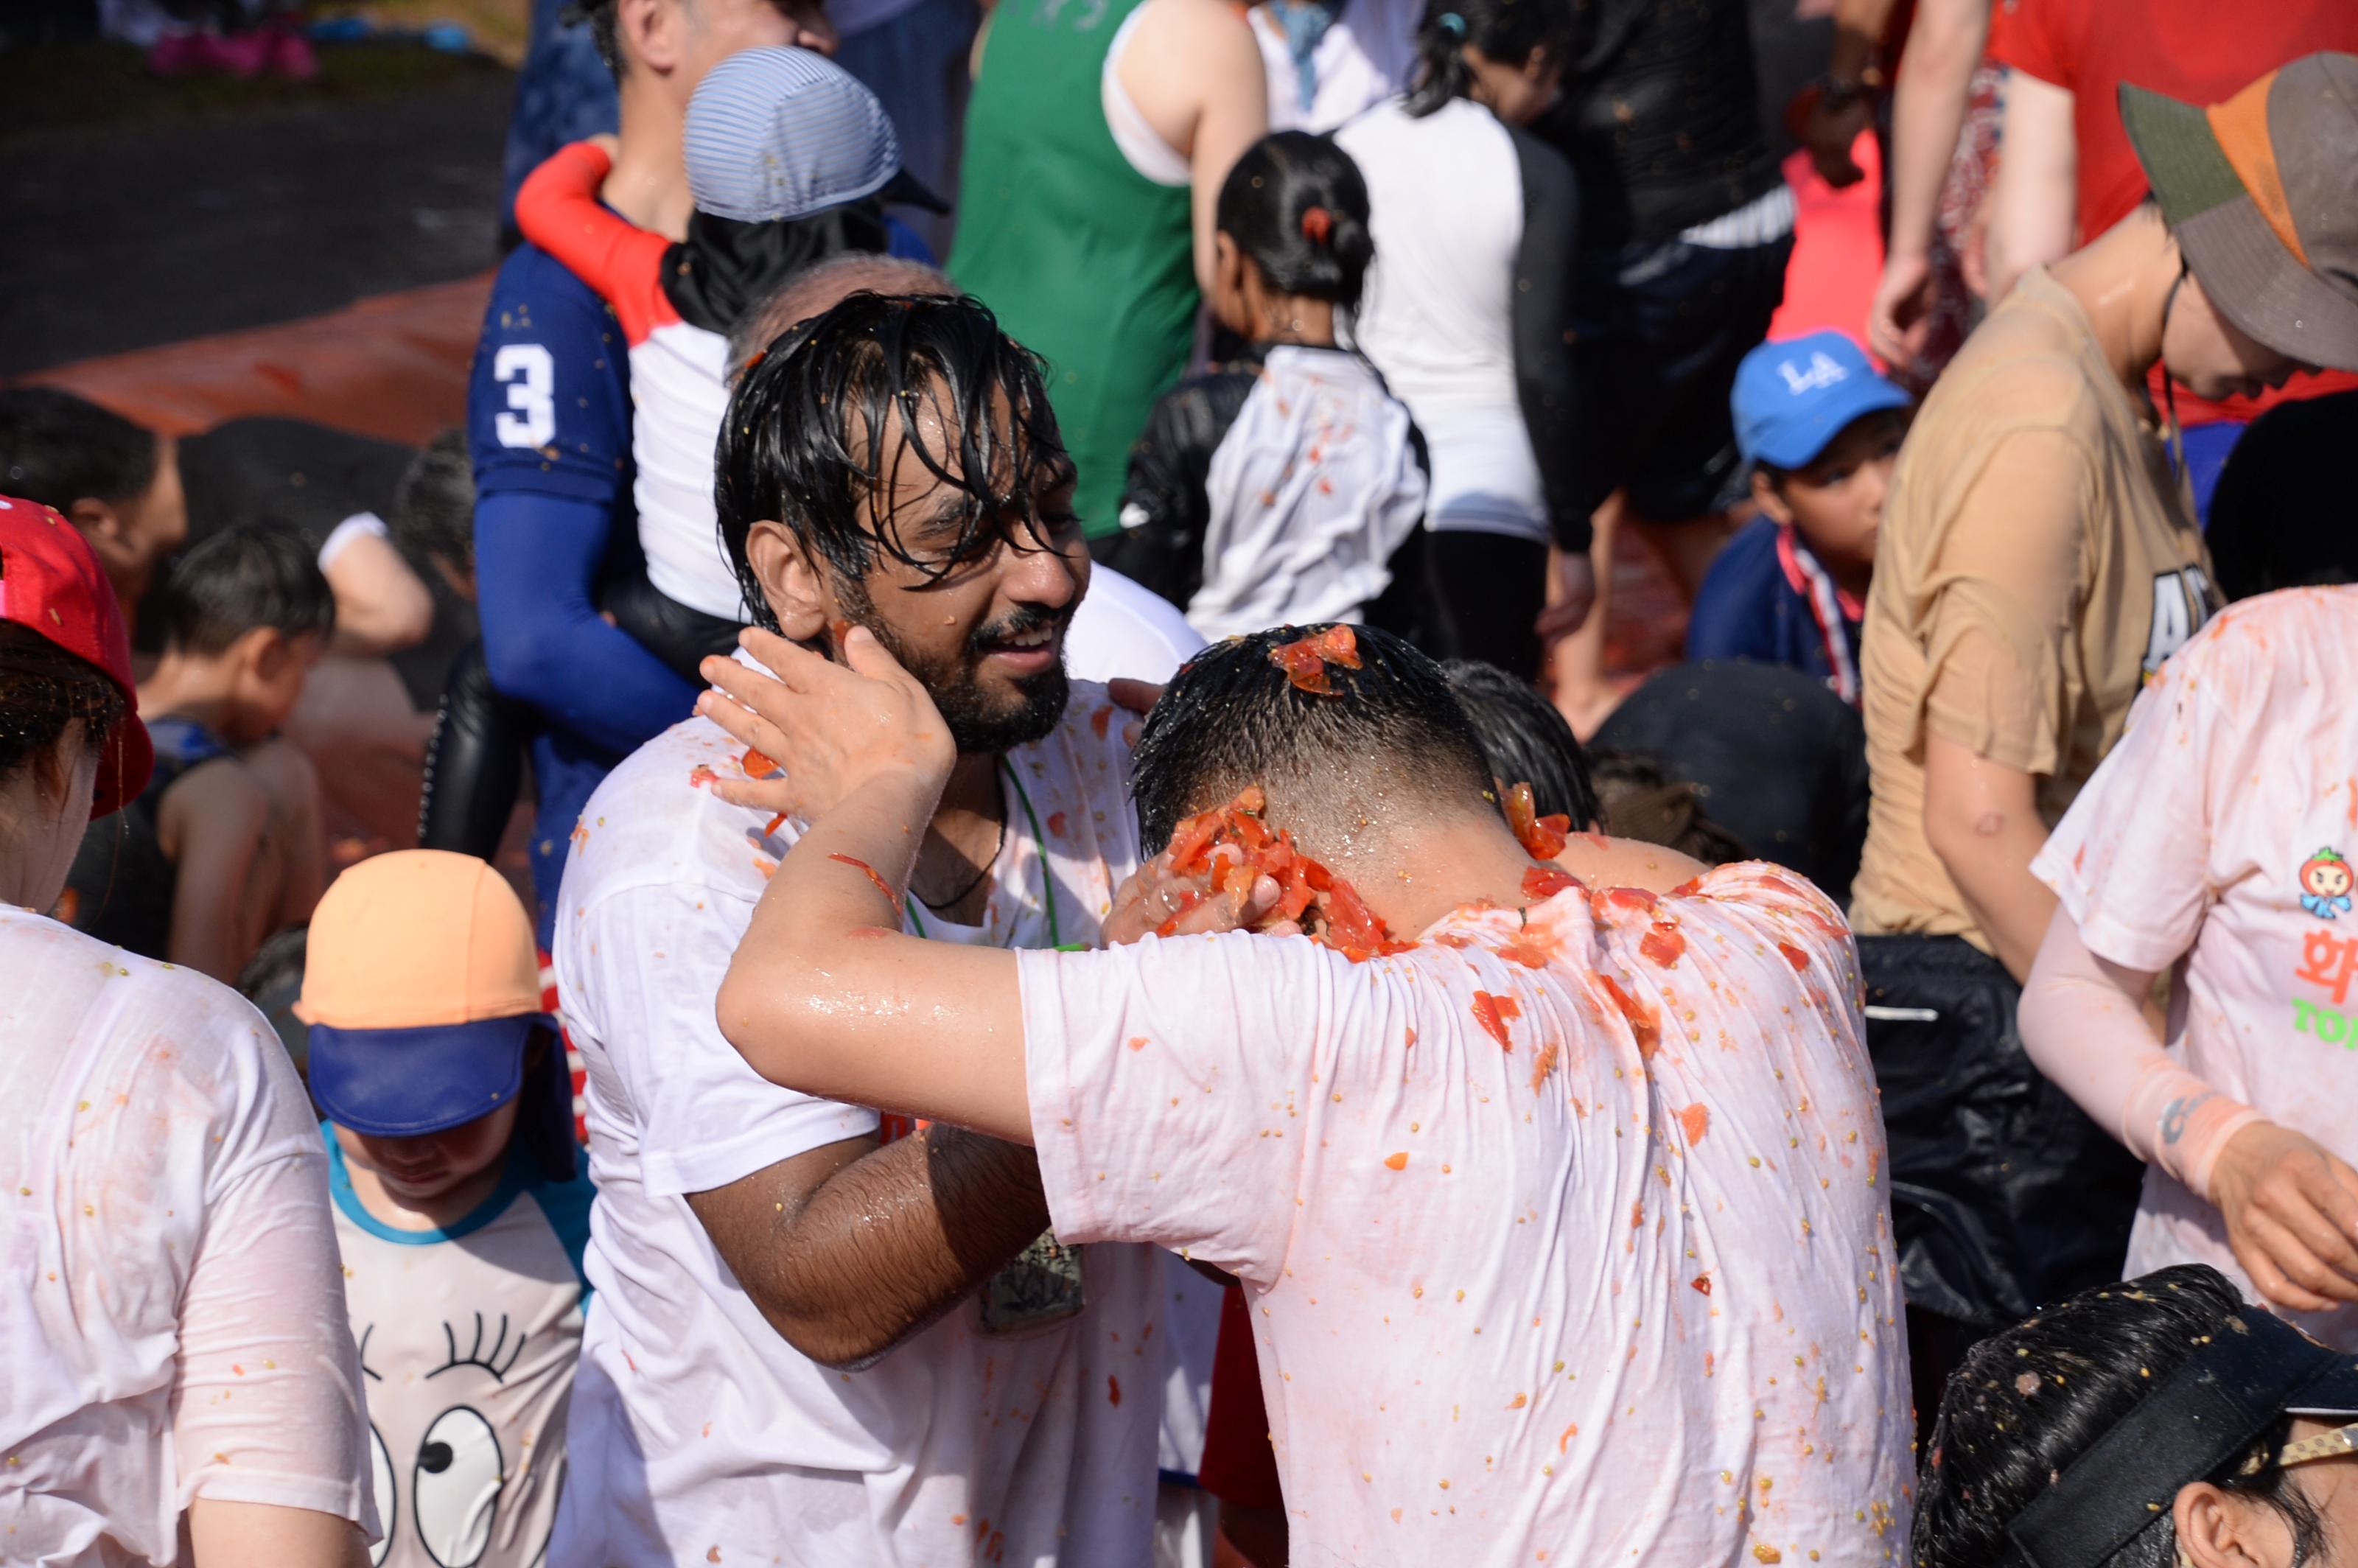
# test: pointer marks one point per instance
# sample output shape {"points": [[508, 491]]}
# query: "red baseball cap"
{"points": [[50, 582]]}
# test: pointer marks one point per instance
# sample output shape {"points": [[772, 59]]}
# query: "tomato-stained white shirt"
{"points": [[698, 1433], [1563, 1241], [171, 1315]]}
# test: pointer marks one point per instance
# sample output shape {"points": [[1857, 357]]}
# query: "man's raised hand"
{"points": [[833, 730]]}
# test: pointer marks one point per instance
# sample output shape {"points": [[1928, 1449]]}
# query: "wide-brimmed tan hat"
{"points": [[2262, 193]]}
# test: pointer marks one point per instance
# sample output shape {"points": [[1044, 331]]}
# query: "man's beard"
{"points": [[980, 725]]}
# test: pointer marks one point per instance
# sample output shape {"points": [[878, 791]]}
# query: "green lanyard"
{"points": [[1047, 881]]}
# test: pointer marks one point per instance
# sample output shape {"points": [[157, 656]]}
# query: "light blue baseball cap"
{"points": [[784, 132], [1793, 397]]}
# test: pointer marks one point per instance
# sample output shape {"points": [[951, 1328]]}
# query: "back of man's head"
{"points": [[239, 580], [58, 448], [1388, 748], [820, 288], [816, 429]]}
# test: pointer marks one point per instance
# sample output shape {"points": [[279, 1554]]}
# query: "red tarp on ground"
{"points": [[393, 367]]}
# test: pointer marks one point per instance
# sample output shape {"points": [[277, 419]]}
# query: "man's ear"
{"points": [[1766, 497], [2218, 1528], [648, 33], [262, 652], [110, 536], [791, 579]]}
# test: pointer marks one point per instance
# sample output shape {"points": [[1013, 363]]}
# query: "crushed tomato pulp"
{"points": [[1233, 842], [1304, 660]]}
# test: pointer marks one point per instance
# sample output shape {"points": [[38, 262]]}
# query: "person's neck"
{"points": [[1411, 882], [1308, 322], [1853, 577], [2122, 282], [648, 184], [440, 1212], [185, 688], [30, 854], [961, 842]]}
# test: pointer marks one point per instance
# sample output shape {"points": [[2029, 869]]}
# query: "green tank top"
{"points": [[1085, 262]]}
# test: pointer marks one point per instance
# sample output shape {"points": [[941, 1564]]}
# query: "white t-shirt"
{"points": [[468, 1336], [1122, 631], [1445, 207], [1615, 1289], [171, 1313], [1308, 494], [2201, 839], [698, 1433]]}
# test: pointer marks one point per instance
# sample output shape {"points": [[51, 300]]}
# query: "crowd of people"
{"points": [[1025, 927]]}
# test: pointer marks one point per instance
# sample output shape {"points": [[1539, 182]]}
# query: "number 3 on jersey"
{"points": [[526, 371]]}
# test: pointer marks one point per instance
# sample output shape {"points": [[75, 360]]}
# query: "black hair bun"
{"points": [[1296, 205]]}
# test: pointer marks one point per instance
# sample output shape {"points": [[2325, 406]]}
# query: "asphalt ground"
{"points": [[141, 213]]}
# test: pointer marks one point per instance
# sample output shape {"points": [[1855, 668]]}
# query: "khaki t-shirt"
{"points": [[2038, 559]]}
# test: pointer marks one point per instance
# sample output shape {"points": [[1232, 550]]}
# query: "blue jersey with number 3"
{"points": [[549, 410]]}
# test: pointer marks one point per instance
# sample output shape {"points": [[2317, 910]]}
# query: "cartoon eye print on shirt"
{"points": [[456, 1472]]}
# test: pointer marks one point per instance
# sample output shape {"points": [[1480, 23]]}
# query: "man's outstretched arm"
{"points": [[824, 994]]}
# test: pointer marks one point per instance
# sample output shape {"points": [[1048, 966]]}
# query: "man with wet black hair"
{"points": [[792, 1357], [1556, 1208]]}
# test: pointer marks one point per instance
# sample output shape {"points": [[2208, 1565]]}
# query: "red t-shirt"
{"points": [[2202, 51]]}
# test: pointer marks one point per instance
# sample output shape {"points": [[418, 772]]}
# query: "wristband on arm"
{"points": [[2177, 1122]]}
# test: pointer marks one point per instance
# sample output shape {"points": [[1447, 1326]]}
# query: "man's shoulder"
{"points": [[654, 822], [532, 282], [2026, 367]]}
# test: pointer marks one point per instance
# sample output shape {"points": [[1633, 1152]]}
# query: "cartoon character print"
{"points": [[438, 1482], [2325, 884]]}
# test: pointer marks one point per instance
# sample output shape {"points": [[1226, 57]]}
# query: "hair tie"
{"points": [[1453, 24], [1317, 224]]}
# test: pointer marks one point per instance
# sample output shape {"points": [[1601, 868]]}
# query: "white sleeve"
{"points": [[2131, 860], [653, 958], [266, 1402], [1164, 1078]]}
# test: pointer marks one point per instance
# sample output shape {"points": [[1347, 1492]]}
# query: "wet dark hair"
{"points": [[241, 578], [432, 510], [58, 448], [1506, 31], [2028, 1401], [1636, 798], [812, 434], [600, 17], [43, 688], [1231, 718], [1524, 738], [1296, 205]]}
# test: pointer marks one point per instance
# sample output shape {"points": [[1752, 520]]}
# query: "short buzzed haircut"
{"points": [[820, 288], [240, 579], [1389, 736], [56, 449]]}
